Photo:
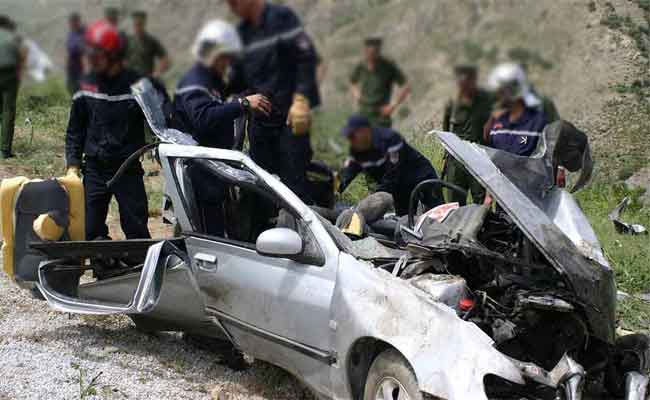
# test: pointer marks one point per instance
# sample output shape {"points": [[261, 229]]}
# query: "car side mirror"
{"points": [[279, 242]]}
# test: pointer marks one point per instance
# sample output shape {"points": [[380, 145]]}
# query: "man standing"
{"points": [[372, 82], [466, 116], [107, 126], [516, 128], [279, 61], [201, 110], [112, 16], [12, 59], [386, 158], [75, 45], [145, 53], [546, 103]]}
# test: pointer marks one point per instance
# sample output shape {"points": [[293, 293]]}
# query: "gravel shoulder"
{"points": [[50, 355]]}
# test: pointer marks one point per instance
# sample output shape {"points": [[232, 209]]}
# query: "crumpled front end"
{"points": [[449, 356], [550, 219]]}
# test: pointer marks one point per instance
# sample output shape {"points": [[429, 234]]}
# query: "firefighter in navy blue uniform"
{"points": [[279, 61], [519, 123], [200, 110], [384, 156], [106, 126]]}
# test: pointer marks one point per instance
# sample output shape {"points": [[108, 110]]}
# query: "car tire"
{"points": [[392, 374]]}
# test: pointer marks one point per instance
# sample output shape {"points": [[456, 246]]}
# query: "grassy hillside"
{"points": [[590, 56]]}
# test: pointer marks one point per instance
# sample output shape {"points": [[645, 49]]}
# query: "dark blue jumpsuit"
{"points": [[199, 110], [518, 137], [106, 126], [395, 166], [279, 61]]}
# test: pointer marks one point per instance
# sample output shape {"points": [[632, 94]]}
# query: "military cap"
{"points": [[139, 14], [465, 69], [111, 12], [373, 41]]}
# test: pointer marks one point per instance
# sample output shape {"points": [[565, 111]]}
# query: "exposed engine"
{"points": [[479, 263]]}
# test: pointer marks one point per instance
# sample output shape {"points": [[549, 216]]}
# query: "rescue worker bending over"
{"points": [[384, 156], [279, 61], [517, 126], [106, 126], [466, 116], [200, 110]]}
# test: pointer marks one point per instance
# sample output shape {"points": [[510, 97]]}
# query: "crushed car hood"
{"points": [[549, 217]]}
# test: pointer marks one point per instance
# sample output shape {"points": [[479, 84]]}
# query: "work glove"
{"points": [[73, 170], [336, 184], [299, 115]]}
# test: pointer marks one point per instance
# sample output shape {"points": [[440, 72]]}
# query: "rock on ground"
{"points": [[641, 180]]}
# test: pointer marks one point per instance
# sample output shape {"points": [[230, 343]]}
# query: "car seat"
{"points": [[38, 211]]}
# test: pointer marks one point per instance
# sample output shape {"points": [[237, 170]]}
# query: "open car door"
{"points": [[275, 307], [150, 280]]}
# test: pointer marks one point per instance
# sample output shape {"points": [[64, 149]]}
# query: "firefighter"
{"points": [[372, 82], [466, 116], [519, 123], [385, 157], [12, 61], [106, 126], [201, 110], [279, 61]]}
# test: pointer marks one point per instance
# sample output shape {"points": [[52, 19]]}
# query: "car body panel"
{"points": [[552, 221], [449, 356]]}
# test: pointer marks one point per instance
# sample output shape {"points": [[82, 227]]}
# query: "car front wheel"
{"points": [[390, 378]]}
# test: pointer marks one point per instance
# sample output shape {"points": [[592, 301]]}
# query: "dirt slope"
{"points": [[578, 51]]}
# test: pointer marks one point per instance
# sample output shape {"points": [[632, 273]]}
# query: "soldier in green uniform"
{"points": [[372, 82], [11, 61], [146, 54], [112, 15], [466, 116]]}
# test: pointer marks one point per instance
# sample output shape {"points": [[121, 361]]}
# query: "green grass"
{"points": [[47, 106], [41, 122]]}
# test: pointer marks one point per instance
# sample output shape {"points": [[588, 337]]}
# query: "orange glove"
{"points": [[73, 170], [299, 118]]}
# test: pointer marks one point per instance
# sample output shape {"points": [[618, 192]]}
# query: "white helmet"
{"points": [[513, 76], [217, 37]]}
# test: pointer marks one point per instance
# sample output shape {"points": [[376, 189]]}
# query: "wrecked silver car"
{"points": [[517, 303]]}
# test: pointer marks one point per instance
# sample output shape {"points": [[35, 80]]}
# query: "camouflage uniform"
{"points": [[467, 121]]}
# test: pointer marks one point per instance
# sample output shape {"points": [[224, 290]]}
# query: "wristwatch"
{"points": [[245, 104]]}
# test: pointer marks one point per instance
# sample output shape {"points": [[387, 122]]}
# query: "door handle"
{"points": [[206, 262]]}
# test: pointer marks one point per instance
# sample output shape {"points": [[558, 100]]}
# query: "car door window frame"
{"points": [[316, 257]]}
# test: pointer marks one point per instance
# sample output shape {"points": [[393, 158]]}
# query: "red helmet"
{"points": [[102, 35]]}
